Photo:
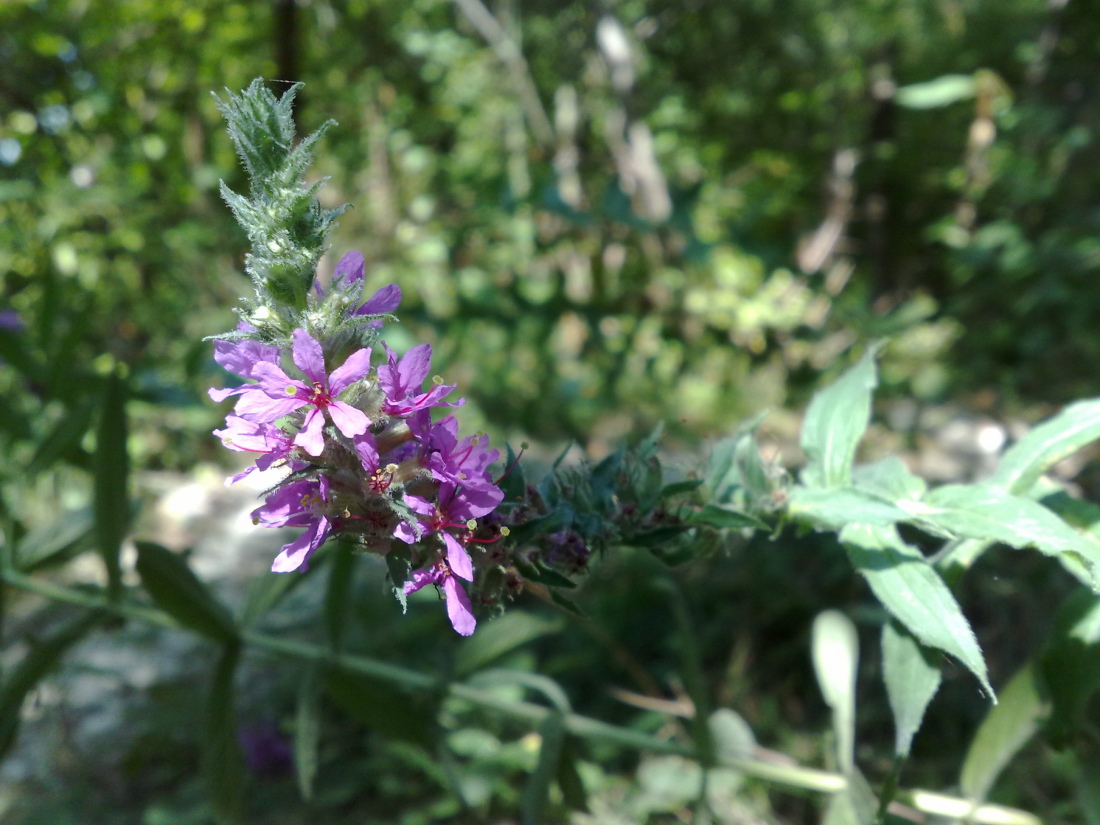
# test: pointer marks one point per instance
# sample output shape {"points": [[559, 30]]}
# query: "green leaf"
{"points": [[914, 594], [835, 422], [1055, 439], [1006, 729], [988, 512], [543, 575], [384, 709], [889, 479], [679, 488], [835, 657], [340, 577], [733, 738], [855, 805], [536, 793], [111, 503], [179, 593], [56, 542], [912, 678], [307, 732], [1070, 663], [721, 517], [569, 778], [39, 660], [835, 508], [63, 438], [268, 589], [500, 637], [223, 766], [513, 483], [399, 566], [935, 94]]}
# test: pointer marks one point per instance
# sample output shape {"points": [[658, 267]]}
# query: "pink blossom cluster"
{"points": [[363, 456]]}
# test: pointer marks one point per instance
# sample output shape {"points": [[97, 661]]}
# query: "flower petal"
{"points": [[350, 269], [311, 437], [458, 559], [260, 407], [296, 554], [308, 356], [384, 300], [353, 369], [348, 420], [421, 578], [459, 609], [241, 357]]}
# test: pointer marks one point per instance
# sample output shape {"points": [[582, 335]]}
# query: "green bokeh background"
{"points": [[693, 236]]}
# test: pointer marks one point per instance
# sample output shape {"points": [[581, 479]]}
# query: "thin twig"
{"points": [[511, 56]]}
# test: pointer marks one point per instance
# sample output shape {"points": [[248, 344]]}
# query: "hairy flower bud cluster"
{"points": [[353, 428]]}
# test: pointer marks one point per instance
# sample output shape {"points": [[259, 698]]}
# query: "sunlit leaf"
{"points": [[835, 422], [914, 594], [835, 657], [181, 594], [912, 677], [935, 94], [1007, 728]]}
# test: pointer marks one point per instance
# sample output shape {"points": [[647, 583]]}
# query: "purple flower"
{"points": [[401, 380], [351, 270], [301, 503], [248, 436], [378, 478], [242, 358], [445, 573], [464, 463], [276, 394]]}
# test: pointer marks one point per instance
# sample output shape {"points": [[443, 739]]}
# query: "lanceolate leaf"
{"points": [[835, 422], [1064, 434], [836, 657], [57, 542], [223, 765], [307, 732], [338, 590], [835, 508], [1071, 661], [889, 479], [537, 792], [180, 593], [913, 592], [989, 512], [724, 516], [41, 658], [1005, 730], [912, 678]]}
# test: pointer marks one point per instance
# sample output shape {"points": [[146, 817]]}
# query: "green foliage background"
{"points": [[576, 284]]}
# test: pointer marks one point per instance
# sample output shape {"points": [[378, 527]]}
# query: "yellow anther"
{"points": [[291, 390], [504, 531]]}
